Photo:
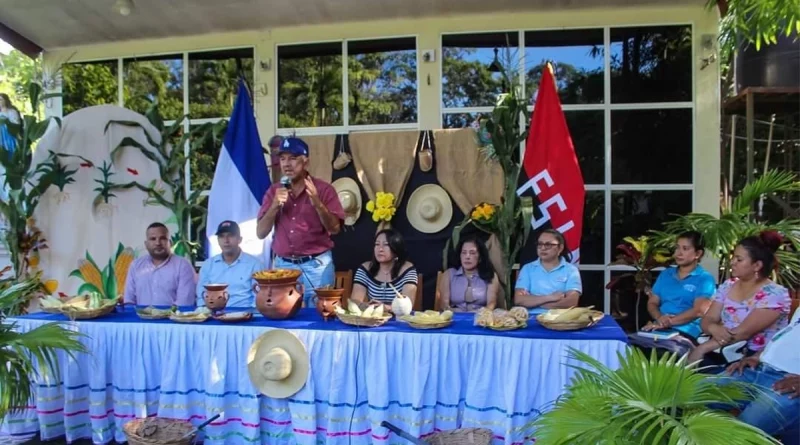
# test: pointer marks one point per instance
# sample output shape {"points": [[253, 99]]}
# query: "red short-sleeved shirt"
{"points": [[298, 231]]}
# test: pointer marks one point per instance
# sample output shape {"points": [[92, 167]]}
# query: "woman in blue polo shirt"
{"points": [[551, 281], [682, 294]]}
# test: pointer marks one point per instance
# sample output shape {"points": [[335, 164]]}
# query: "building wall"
{"points": [[428, 33]]}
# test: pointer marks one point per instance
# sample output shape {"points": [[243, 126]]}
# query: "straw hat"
{"points": [[350, 197], [429, 209], [278, 364]]}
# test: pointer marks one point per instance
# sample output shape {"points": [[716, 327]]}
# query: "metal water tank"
{"points": [[776, 65]]}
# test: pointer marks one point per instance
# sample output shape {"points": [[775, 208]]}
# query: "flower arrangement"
{"points": [[383, 207], [483, 213]]}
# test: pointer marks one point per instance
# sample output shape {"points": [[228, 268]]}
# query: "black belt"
{"points": [[300, 259]]}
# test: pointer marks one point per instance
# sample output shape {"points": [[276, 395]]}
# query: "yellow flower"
{"points": [[384, 200], [371, 206], [375, 216], [51, 286]]}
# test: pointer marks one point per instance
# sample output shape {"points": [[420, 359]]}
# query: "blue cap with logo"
{"points": [[294, 146]]}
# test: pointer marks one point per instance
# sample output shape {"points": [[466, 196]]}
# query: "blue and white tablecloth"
{"points": [[421, 381]]}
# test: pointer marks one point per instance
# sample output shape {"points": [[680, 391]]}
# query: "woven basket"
{"points": [[570, 325], [51, 310], [508, 328], [465, 436], [146, 316], [87, 314], [353, 320], [158, 431], [440, 325], [189, 319]]}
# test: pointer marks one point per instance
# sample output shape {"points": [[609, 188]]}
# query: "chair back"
{"points": [[437, 301], [418, 297], [793, 307], [344, 280]]}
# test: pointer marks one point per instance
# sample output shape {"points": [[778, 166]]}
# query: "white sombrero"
{"points": [[429, 209], [278, 364], [350, 197]]}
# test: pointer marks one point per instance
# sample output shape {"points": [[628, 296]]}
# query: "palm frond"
{"points": [[771, 182], [654, 400]]}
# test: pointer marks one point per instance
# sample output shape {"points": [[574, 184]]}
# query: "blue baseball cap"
{"points": [[294, 146]]}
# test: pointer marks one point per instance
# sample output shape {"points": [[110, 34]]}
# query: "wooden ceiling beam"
{"points": [[19, 42]]}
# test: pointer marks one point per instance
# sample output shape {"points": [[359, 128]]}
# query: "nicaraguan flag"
{"points": [[240, 181]]}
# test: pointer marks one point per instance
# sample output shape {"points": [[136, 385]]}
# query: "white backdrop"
{"points": [[71, 224]]}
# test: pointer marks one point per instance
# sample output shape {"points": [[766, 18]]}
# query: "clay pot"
{"points": [[327, 300], [278, 301], [216, 296]]}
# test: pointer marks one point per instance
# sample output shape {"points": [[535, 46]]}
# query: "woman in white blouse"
{"points": [[388, 266]]}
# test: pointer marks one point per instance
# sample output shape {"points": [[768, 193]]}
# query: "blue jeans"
{"points": [[773, 413], [317, 272]]}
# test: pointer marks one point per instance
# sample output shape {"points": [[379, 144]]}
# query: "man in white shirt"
{"points": [[776, 369]]}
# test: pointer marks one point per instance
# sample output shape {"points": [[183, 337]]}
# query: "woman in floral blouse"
{"points": [[749, 306]]}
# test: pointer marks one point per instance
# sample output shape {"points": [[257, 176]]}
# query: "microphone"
{"points": [[286, 183]]}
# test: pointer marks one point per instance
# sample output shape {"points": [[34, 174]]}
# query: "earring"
{"points": [[756, 275]]}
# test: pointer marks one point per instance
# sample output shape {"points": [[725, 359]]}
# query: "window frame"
{"points": [[345, 128]]}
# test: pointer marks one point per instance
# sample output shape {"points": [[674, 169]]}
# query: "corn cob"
{"points": [[90, 274], [121, 266]]}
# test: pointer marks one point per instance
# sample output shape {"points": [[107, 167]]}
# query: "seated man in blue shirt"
{"points": [[232, 267]]}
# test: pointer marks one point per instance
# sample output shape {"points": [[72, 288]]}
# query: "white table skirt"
{"points": [[422, 382]]}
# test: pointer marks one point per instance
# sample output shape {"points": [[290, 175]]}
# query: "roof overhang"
{"points": [[33, 25]]}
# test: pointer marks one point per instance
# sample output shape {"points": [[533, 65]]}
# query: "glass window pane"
{"points": [[203, 163], [587, 129], [593, 237], [214, 81], [459, 120], [150, 79], [198, 219], [651, 146], [577, 57], [651, 64], [636, 213], [470, 63], [88, 84], [310, 85], [624, 299], [593, 289], [383, 81]]}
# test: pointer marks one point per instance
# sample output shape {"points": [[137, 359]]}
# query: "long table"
{"points": [[421, 381]]}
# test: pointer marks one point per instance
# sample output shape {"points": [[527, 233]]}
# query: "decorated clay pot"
{"points": [[278, 301], [216, 296], [327, 300]]}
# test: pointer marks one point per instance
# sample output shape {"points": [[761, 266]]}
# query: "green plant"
{"points": [[170, 152], [27, 354], [24, 184], [738, 219], [105, 185], [499, 137], [643, 255], [655, 401], [755, 21]]}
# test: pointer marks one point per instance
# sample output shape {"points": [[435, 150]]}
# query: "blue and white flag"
{"points": [[240, 181]]}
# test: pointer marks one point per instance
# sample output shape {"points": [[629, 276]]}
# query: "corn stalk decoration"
{"points": [[108, 282], [499, 137], [23, 186], [168, 154]]}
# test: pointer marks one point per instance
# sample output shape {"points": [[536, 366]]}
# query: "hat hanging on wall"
{"points": [[429, 209], [278, 364], [342, 157], [350, 197], [426, 154]]}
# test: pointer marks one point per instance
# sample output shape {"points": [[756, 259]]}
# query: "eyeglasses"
{"points": [[547, 246]]}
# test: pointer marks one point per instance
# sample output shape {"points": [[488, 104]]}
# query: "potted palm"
{"points": [[738, 219], [643, 255], [26, 354], [654, 401]]}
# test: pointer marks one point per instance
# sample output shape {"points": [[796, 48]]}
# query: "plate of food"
{"points": [[503, 320], [198, 315], [153, 313], [570, 319], [88, 306], [370, 317], [233, 317], [428, 319], [276, 276]]}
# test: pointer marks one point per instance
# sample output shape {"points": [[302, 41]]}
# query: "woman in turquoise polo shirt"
{"points": [[682, 293], [551, 281]]}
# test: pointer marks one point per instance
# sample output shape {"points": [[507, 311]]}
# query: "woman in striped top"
{"points": [[388, 266]]}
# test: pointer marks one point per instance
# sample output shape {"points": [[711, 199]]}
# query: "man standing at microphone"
{"points": [[304, 212]]}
